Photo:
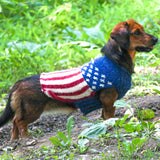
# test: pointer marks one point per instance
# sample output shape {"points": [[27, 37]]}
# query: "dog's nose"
{"points": [[155, 39]]}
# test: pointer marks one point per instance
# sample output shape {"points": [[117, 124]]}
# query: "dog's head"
{"points": [[131, 35], [127, 38]]}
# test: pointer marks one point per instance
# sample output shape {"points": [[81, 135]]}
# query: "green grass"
{"points": [[38, 36]]}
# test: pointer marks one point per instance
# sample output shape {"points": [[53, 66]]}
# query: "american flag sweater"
{"points": [[79, 85]]}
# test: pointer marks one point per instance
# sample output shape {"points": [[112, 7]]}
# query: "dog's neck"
{"points": [[132, 53], [119, 55]]}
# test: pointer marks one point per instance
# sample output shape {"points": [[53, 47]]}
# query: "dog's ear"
{"points": [[120, 34]]}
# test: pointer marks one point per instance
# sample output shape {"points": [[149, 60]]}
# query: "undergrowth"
{"points": [[38, 36], [129, 135]]}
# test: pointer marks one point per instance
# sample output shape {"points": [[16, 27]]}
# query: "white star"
{"points": [[109, 83], [85, 68], [91, 66], [90, 70], [101, 85], [87, 80], [92, 60], [94, 82], [95, 78], [103, 76], [96, 69], [102, 80], [83, 72], [93, 87], [96, 73], [88, 75]]}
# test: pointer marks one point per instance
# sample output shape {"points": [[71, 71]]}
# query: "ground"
{"points": [[48, 125]]}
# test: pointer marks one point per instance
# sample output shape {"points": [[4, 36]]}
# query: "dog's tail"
{"points": [[7, 114]]}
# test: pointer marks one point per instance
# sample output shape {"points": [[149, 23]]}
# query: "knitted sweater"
{"points": [[79, 85]]}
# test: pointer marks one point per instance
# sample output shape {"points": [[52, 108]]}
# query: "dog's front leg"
{"points": [[108, 96]]}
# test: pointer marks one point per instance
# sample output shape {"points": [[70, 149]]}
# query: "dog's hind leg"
{"points": [[29, 113], [32, 111], [108, 96], [20, 124], [15, 131], [27, 102]]}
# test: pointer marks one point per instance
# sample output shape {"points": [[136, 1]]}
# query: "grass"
{"points": [[38, 36]]}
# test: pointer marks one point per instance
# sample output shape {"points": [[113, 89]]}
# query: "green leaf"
{"points": [[93, 131], [81, 145], [157, 91], [55, 141], [147, 114], [121, 103], [98, 129], [83, 142], [62, 136], [129, 128], [132, 127], [70, 125], [94, 32], [138, 142], [73, 33], [87, 124], [120, 122], [45, 147], [111, 121], [156, 63]]}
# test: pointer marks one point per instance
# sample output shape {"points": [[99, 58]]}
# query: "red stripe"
{"points": [[79, 92], [61, 78], [58, 86], [69, 100], [59, 72]]}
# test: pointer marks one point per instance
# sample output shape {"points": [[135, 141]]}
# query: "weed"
{"points": [[131, 136], [37, 133], [61, 140], [141, 131]]}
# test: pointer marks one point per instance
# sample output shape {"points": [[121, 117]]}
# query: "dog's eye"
{"points": [[137, 32]]}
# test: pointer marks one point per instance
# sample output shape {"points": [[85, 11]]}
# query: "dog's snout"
{"points": [[155, 39]]}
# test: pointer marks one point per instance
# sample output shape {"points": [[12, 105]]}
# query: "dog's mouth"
{"points": [[148, 48], [144, 49]]}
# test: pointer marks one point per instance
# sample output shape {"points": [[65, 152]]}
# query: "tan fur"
{"points": [[108, 97], [56, 107], [15, 103]]}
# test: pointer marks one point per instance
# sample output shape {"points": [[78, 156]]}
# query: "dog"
{"points": [[97, 84]]}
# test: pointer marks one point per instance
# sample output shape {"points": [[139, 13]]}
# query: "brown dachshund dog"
{"points": [[27, 101]]}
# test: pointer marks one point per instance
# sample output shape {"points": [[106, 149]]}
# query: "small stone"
{"points": [[8, 148], [31, 143]]}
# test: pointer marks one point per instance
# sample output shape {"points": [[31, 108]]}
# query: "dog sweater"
{"points": [[79, 85]]}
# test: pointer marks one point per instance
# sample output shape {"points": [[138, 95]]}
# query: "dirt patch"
{"points": [[48, 125]]}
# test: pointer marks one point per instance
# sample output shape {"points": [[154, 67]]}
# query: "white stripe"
{"points": [[60, 73], [46, 92], [69, 89], [63, 81], [76, 97]]}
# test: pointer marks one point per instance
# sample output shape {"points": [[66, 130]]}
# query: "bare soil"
{"points": [[48, 125]]}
